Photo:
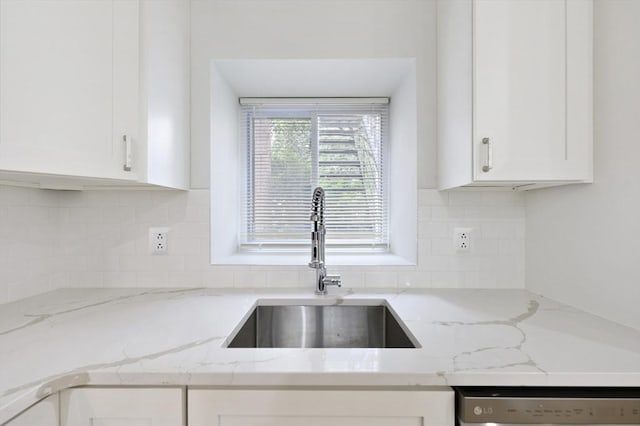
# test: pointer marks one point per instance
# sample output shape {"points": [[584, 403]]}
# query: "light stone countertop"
{"points": [[177, 336]]}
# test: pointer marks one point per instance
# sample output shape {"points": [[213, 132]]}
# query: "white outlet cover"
{"points": [[462, 239], [159, 240]]}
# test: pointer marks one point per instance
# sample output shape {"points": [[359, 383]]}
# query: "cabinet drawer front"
{"points": [[122, 407], [310, 407]]}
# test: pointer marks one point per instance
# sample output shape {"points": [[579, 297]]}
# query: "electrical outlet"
{"points": [[462, 239], [158, 240]]}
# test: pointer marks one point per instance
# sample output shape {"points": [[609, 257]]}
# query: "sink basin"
{"points": [[322, 326]]}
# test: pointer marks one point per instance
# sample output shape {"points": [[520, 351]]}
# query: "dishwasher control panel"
{"points": [[548, 405]]}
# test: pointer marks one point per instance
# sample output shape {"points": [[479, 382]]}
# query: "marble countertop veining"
{"points": [[176, 337]]}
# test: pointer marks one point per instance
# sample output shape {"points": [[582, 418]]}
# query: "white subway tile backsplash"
{"points": [[218, 277], [134, 198], [52, 239], [109, 199], [64, 263], [413, 278], [511, 247], [465, 198], [81, 279], [185, 279], [447, 279], [25, 215], [467, 263], [190, 213], [184, 246], [443, 247], [74, 198], [484, 247], [151, 215], [250, 277], [447, 213], [85, 215], [480, 279], [433, 198], [105, 232], [120, 215], [139, 263], [435, 263], [194, 230], [13, 196], [152, 278], [381, 279], [502, 198], [171, 264], [430, 229], [102, 262], [424, 249], [505, 229], [117, 278], [282, 277]]}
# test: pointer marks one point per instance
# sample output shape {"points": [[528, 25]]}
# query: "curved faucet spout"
{"points": [[318, 231], [317, 205], [317, 244]]}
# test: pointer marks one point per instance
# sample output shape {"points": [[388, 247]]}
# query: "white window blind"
{"points": [[293, 145]]}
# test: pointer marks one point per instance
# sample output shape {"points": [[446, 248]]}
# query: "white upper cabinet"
{"points": [[76, 79], [514, 92]]}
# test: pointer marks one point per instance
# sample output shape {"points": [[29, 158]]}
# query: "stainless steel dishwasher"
{"points": [[513, 406]]}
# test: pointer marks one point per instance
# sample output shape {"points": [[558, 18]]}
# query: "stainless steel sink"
{"points": [[322, 326]]}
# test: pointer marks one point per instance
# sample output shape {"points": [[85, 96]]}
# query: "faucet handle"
{"points": [[332, 280]]}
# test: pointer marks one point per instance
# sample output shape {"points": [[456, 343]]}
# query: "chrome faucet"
{"points": [[317, 244]]}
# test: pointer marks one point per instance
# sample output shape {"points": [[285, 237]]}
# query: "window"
{"points": [[393, 78], [293, 145]]}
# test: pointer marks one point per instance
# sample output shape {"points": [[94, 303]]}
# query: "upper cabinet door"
{"points": [[520, 102], [515, 92], [64, 66]]}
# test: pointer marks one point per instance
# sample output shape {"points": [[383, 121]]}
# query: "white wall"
{"points": [[308, 29], [581, 240], [28, 243]]}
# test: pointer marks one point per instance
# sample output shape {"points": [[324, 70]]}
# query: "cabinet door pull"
{"points": [[127, 153], [489, 164]]}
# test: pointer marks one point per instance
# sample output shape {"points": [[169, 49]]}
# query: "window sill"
{"points": [[379, 259]]}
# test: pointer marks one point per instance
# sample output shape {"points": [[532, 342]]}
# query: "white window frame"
{"points": [[311, 108]]}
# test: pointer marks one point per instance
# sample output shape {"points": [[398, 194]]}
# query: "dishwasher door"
{"points": [[516, 406], [460, 423]]}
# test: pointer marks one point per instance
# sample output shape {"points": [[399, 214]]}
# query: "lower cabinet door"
{"points": [[44, 413], [122, 407], [312, 407]]}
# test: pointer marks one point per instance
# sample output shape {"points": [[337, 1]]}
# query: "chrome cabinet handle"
{"points": [[489, 164], [127, 153]]}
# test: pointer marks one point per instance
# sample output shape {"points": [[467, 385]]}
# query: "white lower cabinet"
{"points": [[122, 407], [44, 413], [313, 407], [242, 407]]}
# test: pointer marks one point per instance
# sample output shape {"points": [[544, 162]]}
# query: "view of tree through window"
{"points": [[290, 152]]}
